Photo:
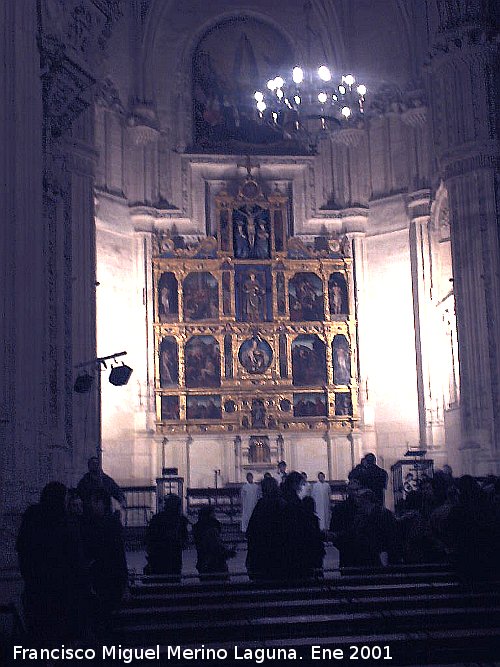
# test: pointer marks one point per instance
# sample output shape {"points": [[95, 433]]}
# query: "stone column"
{"points": [[427, 330], [22, 384], [463, 75]]}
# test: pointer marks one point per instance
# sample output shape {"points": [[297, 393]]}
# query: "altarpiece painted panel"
{"points": [[264, 318]]}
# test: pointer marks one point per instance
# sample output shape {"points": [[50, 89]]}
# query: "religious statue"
{"points": [[253, 298], [241, 249], [258, 414], [261, 247], [336, 299], [341, 364]]}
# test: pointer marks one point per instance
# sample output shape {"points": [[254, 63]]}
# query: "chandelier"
{"points": [[309, 105]]}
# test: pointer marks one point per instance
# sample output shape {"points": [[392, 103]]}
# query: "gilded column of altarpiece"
{"points": [[254, 328]]}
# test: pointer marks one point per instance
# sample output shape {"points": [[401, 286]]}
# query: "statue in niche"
{"points": [[255, 355], [259, 451], [251, 233], [241, 247], [253, 299], [168, 362], [341, 360], [167, 298], [258, 414], [338, 294]]}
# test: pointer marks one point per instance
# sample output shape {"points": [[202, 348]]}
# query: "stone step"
{"points": [[326, 624], [457, 648], [217, 611]]}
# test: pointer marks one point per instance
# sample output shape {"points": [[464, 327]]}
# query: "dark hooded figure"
{"points": [[166, 537], [212, 554], [314, 537], [105, 552], [298, 531], [265, 535], [56, 593]]}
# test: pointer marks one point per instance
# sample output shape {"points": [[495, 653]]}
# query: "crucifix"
{"points": [[249, 166]]}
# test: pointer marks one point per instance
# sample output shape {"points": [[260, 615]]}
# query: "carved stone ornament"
{"points": [[71, 39], [349, 136], [143, 125], [107, 96]]}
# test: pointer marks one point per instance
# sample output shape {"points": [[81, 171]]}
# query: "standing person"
{"points": [[265, 535], [281, 473], [307, 488], [105, 552], [56, 585], [95, 479], [371, 476], [166, 537], [250, 494], [321, 496]]}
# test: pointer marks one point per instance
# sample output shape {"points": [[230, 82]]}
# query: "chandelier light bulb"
{"points": [[349, 79], [334, 97], [275, 117], [297, 99], [279, 94], [342, 90], [261, 106], [297, 75], [361, 90], [279, 82], [258, 96], [324, 73], [271, 84], [346, 112], [322, 97]]}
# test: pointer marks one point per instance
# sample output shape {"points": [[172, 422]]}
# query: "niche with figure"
{"points": [[202, 362], [259, 450], [201, 297], [305, 296], [168, 301], [341, 357], [308, 361], [169, 363], [251, 232], [337, 293]]}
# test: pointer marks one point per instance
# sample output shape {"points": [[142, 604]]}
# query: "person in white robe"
{"points": [[250, 494], [307, 488], [321, 496]]}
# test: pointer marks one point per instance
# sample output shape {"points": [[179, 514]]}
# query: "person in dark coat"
{"points": [[371, 476], [57, 592], [297, 531], [166, 537], [94, 480], [105, 553], [265, 535], [314, 537], [342, 526], [211, 551]]}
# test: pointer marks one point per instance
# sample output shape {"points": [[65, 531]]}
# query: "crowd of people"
{"points": [[72, 556], [72, 559]]}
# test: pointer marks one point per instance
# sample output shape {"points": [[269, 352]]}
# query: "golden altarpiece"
{"points": [[255, 333]]}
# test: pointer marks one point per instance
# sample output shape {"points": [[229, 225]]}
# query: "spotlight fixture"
{"points": [[83, 383], [120, 375]]}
